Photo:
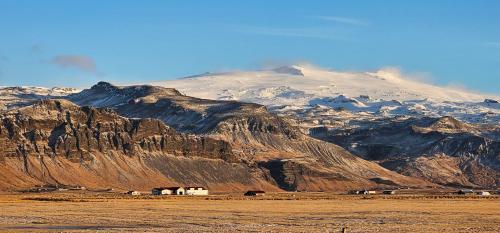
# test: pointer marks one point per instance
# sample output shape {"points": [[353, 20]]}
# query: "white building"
{"points": [[483, 193], [134, 193], [178, 190], [196, 191], [168, 191]]}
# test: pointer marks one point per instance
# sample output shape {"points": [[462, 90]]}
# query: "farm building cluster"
{"points": [[198, 191], [180, 191], [364, 192]]}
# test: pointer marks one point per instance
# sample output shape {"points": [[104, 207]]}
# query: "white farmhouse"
{"points": [[196, 191]]}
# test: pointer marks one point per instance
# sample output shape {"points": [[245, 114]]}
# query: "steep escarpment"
{"points": [[260, 139], [442, 150], [60, 128], [57, 142]]}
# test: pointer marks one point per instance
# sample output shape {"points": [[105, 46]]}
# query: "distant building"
{"points": [[483, 193], [255, 193], [466, 192], [362, 192], [168, 191], [196, 191], [161, 191], [134, 193], [389, 192], [178, 190], [78, 188]]}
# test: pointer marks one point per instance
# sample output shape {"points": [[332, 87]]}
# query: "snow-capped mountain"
{"points": [[384, 93], [351, 130], [20, 96]]}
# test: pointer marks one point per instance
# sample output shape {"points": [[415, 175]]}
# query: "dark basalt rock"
{"points": [[49, 129]]}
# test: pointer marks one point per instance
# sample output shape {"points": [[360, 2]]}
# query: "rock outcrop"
{"points": [[441, 150]]}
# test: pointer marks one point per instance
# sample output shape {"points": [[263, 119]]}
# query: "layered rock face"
{"points": [[441, 150], [60, 128], [55, 141]]}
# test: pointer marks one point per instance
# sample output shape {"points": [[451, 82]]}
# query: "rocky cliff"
{"points": [[441, 150], [58, 142]]}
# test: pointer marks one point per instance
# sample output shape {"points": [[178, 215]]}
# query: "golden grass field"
{"points": [[281, 212]]}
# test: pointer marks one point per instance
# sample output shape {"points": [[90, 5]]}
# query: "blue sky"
{"points": [[77, 43]]}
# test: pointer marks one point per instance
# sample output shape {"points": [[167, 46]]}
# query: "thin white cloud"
{"points": [[316, 33], [79, 62], [492, 44], [344, 20]]}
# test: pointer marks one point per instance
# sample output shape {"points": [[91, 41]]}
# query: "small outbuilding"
{"points": [[465, 192], [134, 193], [255, 193]]}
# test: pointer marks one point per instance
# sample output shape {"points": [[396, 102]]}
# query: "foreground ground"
{"points": [[85, 211]]}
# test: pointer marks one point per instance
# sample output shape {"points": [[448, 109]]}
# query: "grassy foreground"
{"points": [[90, 212]]}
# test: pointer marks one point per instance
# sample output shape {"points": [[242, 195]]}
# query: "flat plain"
{"points": [[279, 212]]}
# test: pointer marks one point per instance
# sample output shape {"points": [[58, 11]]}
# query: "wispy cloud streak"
{"points": [[492, 44], [344, 20], [316, 33]]}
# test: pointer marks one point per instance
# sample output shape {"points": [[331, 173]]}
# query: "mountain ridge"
{"points": [[274, 144]]}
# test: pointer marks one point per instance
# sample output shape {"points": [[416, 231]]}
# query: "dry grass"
{"points": [[90, 212]]}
